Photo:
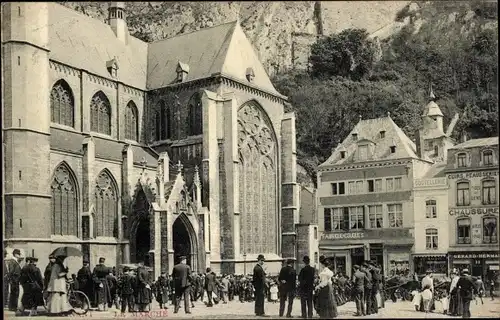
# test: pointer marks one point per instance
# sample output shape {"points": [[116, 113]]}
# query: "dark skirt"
{"points": [[32, 296], [327, 306], [455, 307]]}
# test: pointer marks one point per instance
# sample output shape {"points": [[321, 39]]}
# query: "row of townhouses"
{"points": [[414, 205]]}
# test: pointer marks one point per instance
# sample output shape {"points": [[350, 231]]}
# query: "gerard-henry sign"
{"points": [[473, 211]]}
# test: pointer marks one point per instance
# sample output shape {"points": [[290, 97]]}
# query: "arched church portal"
{"points": [[183, 243], [140, 230], [143, 240]]}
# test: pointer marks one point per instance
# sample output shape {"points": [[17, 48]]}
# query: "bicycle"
{"points": [[78, 300]]}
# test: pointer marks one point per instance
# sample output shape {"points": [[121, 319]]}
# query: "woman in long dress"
{"points": [[58, 304], [326, 305]]}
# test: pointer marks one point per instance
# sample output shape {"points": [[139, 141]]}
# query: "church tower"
{"points": [[431, 140], [116, 19], [26, 119]]}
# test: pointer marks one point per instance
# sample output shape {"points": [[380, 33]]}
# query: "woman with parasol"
{"points": [[57, 304]]}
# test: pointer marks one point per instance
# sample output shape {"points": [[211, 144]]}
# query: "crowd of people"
{"points": [[131, 289], [455, 299]]}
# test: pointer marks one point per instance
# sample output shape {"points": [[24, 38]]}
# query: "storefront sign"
{"points": [[347, 235], [368, 234], [476, 174], [475, 256], [473, 211]]}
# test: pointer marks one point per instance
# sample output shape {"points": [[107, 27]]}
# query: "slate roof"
{"points": [[66, 141], [222, 49], [370, 130], [436, 171], [431, 130], [83, 42], [432, 109], [484, 142]]}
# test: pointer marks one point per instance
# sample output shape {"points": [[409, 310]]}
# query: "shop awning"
{"points": [[339, 248], [399, 242], [430, 255]]}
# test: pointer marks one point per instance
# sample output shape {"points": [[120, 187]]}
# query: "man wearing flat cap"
{"points": [[102, 293], [259, 284], [32, 282], [306, 286], [287, 286], [181, 275]]}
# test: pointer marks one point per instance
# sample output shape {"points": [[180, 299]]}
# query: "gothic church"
{"points": [[126, 149]]}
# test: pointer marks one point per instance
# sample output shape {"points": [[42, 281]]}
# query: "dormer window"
{"points": [[382, 134], [393, 149], [342, 154], [182, 71], [462, 160], [250, 74], [488, 158], [112, 66], [363, 152], [355, 136]]}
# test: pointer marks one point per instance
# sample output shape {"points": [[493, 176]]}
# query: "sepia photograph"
{"points": [[250, 159]]}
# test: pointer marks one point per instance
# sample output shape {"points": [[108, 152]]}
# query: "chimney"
{"points": [[418, 144], [464, 137], [116, 19]]}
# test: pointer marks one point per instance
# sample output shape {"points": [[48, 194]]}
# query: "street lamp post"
{"points": [[244, 264]]}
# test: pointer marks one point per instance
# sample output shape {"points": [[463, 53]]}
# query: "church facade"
{"points": [[126, 149]]}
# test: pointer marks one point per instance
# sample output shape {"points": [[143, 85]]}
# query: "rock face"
{"points": [[281, 32]]}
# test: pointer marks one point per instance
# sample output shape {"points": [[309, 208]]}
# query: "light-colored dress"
{"points": [[274, 292], [58, 294], [327, 307]]}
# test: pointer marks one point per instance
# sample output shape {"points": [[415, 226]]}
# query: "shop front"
{"points": [[389, 247], [437, 263], [483, 263]]}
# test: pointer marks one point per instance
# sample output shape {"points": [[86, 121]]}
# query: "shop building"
{"points": [[472, 172], [365, 198], [430, 200]]}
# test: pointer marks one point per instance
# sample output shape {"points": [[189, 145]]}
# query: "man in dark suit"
{"points": [[182, 282], [209, 286], [359, 279], [467, 289], [306, 285], [14, 277], [368, 289], [84, 277], [32, 282], [102, 294], [287, 286], [259, 284]]}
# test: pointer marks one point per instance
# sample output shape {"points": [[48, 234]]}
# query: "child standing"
{"points": [[274, 292], [126, 290], [445, 302], [427, 297]]}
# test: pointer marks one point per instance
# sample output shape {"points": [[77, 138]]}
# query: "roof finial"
{"points": [[388, 114], [431, 93], [179, 166], [360, 117]]}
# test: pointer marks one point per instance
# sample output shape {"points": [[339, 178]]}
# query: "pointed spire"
{"points": [[179, 166], [196, 178], [432, 97]]}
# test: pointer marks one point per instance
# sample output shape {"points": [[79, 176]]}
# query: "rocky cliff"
{"points": [[281, 32]]}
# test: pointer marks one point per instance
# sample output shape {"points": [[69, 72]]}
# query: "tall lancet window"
{"points": [[100, 114], [258, 180], [106, 206], [62, 104], [64, 202], [131, 123]]}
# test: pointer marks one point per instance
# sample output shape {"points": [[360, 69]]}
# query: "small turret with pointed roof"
{"points": [[432, 111]]}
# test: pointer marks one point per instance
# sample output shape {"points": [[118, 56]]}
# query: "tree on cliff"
{"points": [[348, 54]]}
